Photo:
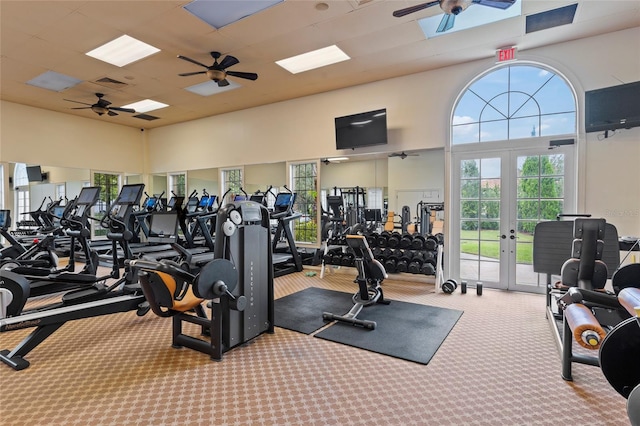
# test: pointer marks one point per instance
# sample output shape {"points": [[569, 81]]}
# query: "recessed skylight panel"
{"points": [[220, 13], [314, 59], [146, 105], [209, 88], [51, 80], [122, 51]]}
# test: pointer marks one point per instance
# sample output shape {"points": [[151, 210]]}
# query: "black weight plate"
{"points": [[216, 270], [619, 355]]}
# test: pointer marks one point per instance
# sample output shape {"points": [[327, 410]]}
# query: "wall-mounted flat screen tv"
{"points": [[34, 174], [363, 129], [611, 108]]}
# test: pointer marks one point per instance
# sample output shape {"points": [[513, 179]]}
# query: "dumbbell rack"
{"points": [[414, 254]]}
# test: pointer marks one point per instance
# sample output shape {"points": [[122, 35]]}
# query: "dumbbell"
{"points": [[327, 258], [382, 239], [431, 243], [390, 264], [463, 288], [372, 239], [430, 257], [449, 286], [393, 240], [402, 265], [405, 241], [427, 269], [347, 259], [416, 263], [377, 252], [418, 242], [336, 259]]}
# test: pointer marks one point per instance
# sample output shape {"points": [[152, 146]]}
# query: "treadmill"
{"points": [[286, 258]]}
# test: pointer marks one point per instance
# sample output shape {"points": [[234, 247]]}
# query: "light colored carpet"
{"points": [[498, 366]]}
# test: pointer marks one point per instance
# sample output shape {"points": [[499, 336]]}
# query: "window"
{"points": [[304, 183], [61, 191], [232, 182], [109, 188], [21, 185], [514, 102], [177, 184], [375, 198]]}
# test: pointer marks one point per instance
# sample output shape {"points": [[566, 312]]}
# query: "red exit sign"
{"points": [[506, 54]]}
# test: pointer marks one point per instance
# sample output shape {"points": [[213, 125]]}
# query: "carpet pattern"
{"points": [[498, 366]]}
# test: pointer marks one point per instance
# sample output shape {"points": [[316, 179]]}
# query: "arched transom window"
{"points": [[514, 102]]}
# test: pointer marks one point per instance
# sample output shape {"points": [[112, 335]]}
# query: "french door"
{"points": [[497, 199]]}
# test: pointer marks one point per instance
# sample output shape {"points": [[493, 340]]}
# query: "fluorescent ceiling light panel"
{"points": [[51, 80], [220, 13], [209, 88], [314, 59], [122, 51], [146, 105], [475, 15]]}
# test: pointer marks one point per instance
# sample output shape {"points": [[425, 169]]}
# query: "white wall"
{"points": [[365, 174], [408, 178], [612, 179], [258, 177], [36, 136]]}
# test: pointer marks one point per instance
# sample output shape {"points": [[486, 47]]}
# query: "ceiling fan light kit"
{"points": [[102, 106], [218, 71], [451, 9]]}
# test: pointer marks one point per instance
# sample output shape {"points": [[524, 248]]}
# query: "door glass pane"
{"points": [[528, 187], [540, 195], [480, 191]]}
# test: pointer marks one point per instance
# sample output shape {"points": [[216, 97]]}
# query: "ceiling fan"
{"points": [[402, 155], [218, 71], [451, 8], [102, 106]]}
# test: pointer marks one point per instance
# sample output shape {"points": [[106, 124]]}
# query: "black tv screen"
{"points": [[363, 129], [34, 173], [611, 108]]}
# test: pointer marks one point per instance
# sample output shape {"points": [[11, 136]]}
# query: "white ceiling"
{"points": [[37, 36]]}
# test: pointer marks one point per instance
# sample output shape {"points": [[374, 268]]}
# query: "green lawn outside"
{"points": [[490, 245]]}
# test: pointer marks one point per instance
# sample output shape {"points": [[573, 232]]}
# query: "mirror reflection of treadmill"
{"points": [[285, 259], [4, 216]]}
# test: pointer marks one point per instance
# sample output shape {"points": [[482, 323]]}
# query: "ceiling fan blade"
{"points": [[247, 75], [447, 23], [412, 9], [78, 102], [123, 109], [228, 61], [500, 4], [193, 61], [223, 83], [186, 74], [82, 107], [111, 113]]}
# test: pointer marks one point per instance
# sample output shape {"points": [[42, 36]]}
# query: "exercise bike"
{"points": [[371, 273]]}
